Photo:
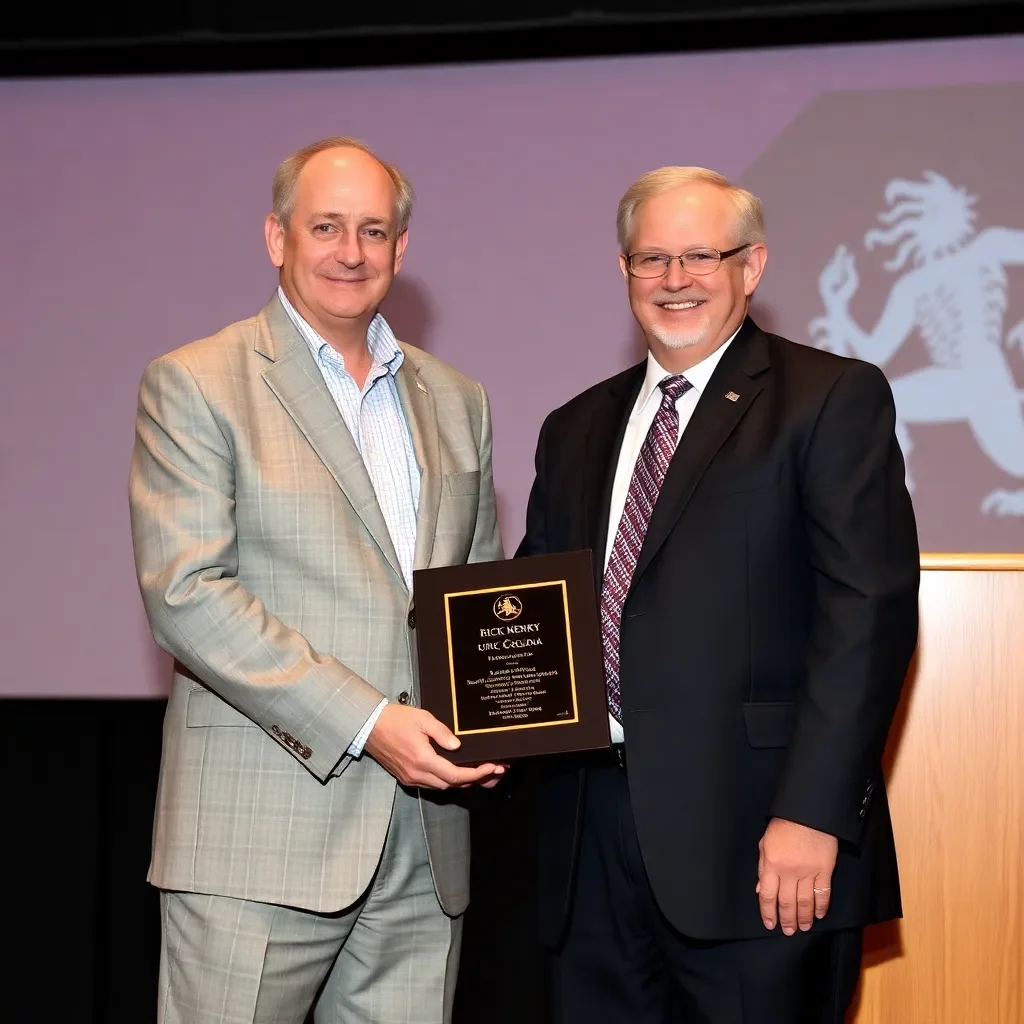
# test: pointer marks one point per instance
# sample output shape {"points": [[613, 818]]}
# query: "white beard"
{"points": [[675, 340]]}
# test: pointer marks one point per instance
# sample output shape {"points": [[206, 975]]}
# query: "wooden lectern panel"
{"points": [[955, 769]]}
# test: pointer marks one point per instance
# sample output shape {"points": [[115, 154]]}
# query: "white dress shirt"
{"points": [[378, 425], [644, 410]]}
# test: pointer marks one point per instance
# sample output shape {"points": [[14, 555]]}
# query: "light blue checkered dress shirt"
{"points": [[378, 425]]}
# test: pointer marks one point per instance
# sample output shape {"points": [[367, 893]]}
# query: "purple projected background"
{"points": [[134, 212]]}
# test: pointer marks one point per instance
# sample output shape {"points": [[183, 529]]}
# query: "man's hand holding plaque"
{"points": [[402, 742]]}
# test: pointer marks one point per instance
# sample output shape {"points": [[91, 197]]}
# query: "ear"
{"points": [[273, 231], [622, 265], [753, 267], [403, 241]]}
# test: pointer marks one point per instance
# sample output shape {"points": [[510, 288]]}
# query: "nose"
{"points": [[676, 278], [349, 251]]}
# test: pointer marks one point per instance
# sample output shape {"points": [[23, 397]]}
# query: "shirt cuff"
{"points": [[616, 731], [355, 748]]}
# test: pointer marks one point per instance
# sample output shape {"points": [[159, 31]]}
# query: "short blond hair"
{"points": [[749, 214], [286, 178]]}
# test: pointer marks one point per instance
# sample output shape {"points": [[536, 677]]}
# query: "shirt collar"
{"points": [[380, 339], [698, 375]]}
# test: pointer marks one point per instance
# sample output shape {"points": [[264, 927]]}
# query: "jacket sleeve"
{"points": [[862, 541], [486, 546], [181, 499]]}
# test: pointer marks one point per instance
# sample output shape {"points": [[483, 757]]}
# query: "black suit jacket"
{"points": [[765, 638]]}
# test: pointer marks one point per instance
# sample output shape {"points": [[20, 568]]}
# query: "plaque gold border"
{"points": [[451, 658]]}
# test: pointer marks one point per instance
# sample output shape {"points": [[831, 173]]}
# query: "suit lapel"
{"points": [[604, 439], [714, 419], [295, 379], [421, 412]]}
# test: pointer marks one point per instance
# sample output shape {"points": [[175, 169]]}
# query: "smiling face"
{"points": [[341, 248], [684, 316]]}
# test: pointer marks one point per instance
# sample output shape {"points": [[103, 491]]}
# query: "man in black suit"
{"points": [[758, 569]]}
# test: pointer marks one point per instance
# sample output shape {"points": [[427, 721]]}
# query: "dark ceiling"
{"points": [[224, 35]]}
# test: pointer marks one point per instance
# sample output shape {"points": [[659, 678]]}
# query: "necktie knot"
{"points": [[674, 386]]}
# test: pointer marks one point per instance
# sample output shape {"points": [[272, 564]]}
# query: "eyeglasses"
{"points": [[693, 261]]}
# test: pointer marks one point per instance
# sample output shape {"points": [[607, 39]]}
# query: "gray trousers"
{"points": [[391, 958]]}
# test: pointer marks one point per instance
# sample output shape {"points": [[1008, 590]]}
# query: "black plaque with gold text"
{"points": [[510, 656]]}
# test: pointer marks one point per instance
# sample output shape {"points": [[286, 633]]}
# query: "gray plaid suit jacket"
{"points": [[267, 572]]}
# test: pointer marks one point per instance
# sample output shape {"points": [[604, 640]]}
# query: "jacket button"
{"points": [[403, 697], [412, 618], [862, 813]]}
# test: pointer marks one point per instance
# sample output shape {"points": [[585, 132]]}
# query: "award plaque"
{"points": [[510, 656]]}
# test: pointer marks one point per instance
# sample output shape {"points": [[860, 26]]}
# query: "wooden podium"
{"points": [[955, 770]]}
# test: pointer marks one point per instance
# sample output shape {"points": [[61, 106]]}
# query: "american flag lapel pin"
{"points": [[732, 396]]}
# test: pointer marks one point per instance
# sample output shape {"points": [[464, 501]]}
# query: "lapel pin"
{"points": [[732, 396]]}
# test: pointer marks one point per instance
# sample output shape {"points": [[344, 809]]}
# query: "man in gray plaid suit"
{"points": [[288, 475]]}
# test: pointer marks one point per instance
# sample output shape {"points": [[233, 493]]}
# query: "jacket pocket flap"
{"points": [[204, 708], [769, 724], [463, 483]]}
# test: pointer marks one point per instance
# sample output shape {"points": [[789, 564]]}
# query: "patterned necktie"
{"points": [[648, 474]]}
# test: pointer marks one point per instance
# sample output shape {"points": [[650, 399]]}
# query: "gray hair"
{"points": [[749, 215], [286, 178]]}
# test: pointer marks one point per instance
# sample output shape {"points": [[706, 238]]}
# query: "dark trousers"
{"points": [[623, 963]]}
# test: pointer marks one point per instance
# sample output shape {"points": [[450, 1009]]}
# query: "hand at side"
{"points": [[794, 872]]}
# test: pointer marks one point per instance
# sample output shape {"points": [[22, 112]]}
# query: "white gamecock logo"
{"points": [[952, 290]]}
